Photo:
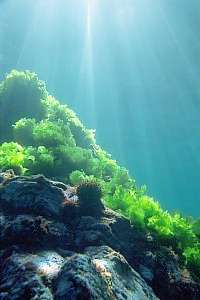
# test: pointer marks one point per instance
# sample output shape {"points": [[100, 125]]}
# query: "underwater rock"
{"points": [[19, 279], [169, 277], [36, 232], [35, 195], [50, 250], [6, 175], [100, 273]]}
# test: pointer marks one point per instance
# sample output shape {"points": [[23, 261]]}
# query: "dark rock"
{"points": [[147, 267], [41, 224], [35, 232], [70, 212], [19, 281], [170, 281], [100, 273], [34, 195], [113, 230]]}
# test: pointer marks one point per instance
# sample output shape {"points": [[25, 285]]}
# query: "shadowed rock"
{"points": [[35, 195]]}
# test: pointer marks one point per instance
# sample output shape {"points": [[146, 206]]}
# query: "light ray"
{"points": [[87, 64]]}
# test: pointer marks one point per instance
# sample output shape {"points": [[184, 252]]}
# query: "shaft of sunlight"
{"points": [[87, 64]]}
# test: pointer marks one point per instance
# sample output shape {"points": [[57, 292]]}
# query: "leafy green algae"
{"points": [[40, 135]]}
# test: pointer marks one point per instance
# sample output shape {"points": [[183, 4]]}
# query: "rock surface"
{"points": [[100, 273], [50, 251]]}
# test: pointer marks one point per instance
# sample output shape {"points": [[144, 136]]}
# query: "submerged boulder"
{"points": [[19, 280], [51, 249], [100, 273], [34, 195]]}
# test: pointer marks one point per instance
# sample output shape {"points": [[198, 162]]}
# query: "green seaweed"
{"points": [[21, 95], [12, 157], [192, 255]]}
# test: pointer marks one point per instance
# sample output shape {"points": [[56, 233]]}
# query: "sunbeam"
{"points": [[86, 73]]}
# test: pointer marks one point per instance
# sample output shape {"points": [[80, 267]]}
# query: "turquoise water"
{"points": [[130, 69]]}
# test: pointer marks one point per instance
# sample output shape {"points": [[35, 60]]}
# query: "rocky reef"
{"points": [[50, 249]]}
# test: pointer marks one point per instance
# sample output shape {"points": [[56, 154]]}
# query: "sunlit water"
{"points": [[130, 69]]}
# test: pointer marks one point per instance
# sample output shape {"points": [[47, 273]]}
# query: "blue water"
{"points": [[130, 69]]}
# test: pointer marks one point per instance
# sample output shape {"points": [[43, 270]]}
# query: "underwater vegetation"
{"points": [[89, 194], [40, 135]]}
